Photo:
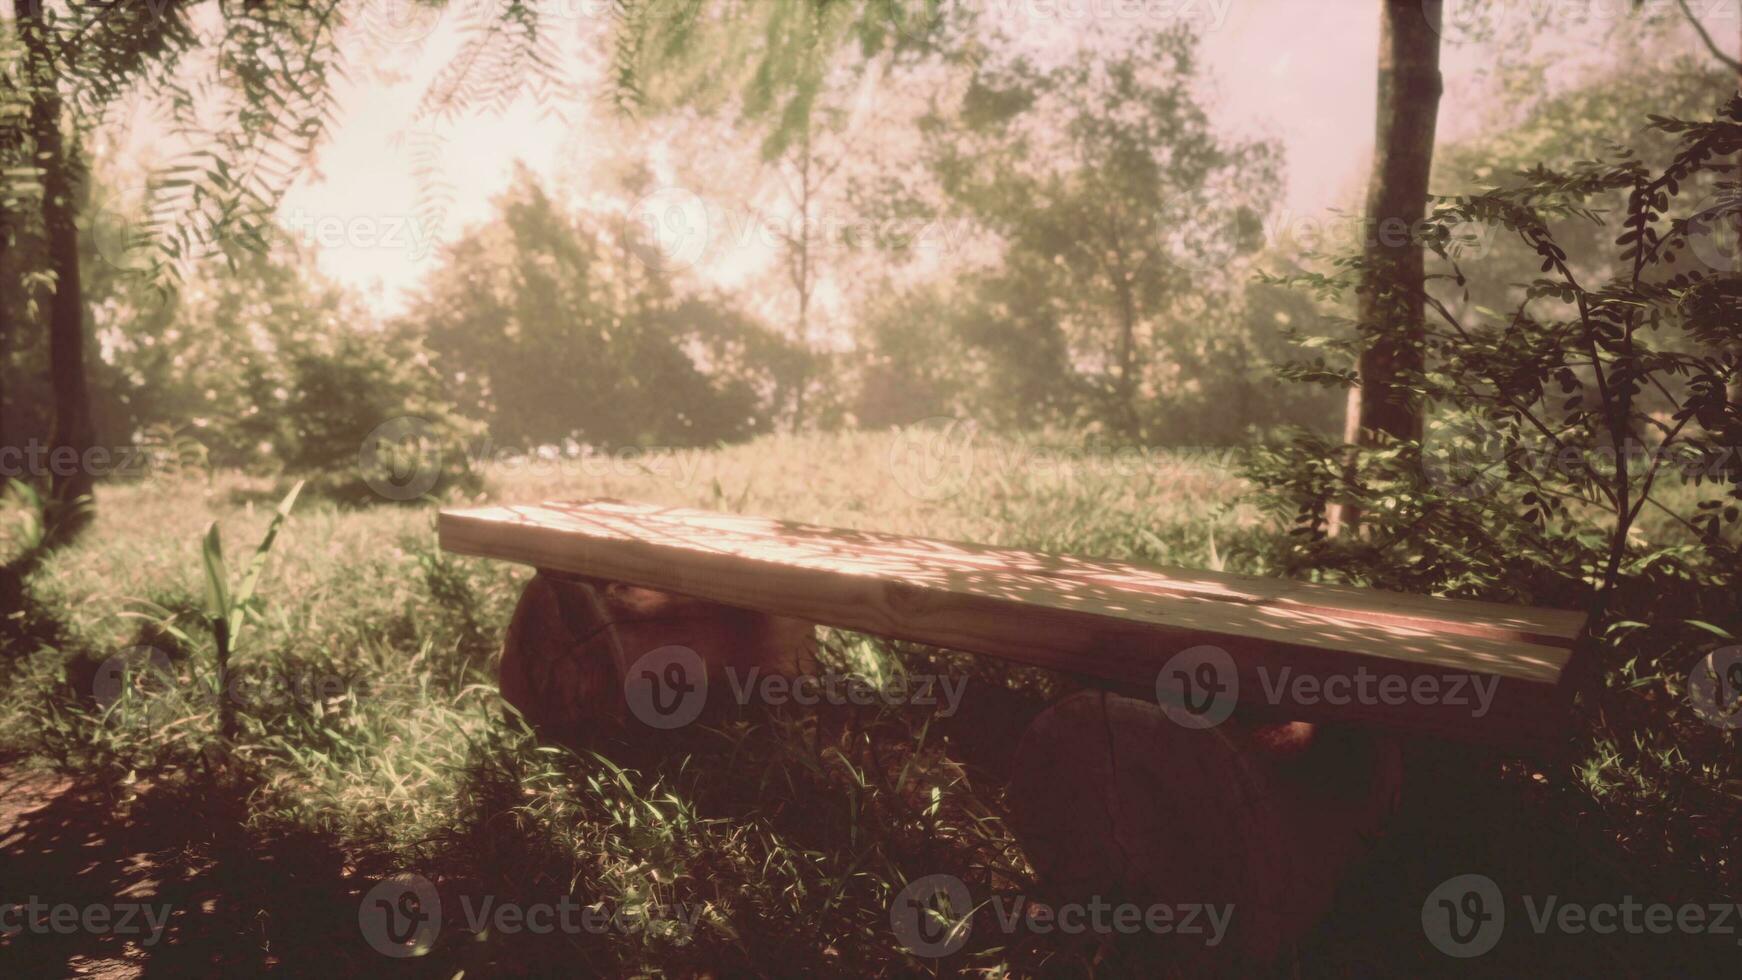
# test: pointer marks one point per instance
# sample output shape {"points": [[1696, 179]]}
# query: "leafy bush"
{"points": [[1582, 450], [364, 420], [261, 363], [554, 325]]}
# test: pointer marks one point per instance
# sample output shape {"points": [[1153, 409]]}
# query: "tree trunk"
{"points": [[6, 327], [1735, 387], [801, 279], [74, 433], [12, 143], [1389, 309], [1128, 362]]}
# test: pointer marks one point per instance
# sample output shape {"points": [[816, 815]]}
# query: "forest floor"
{"points": [[371, 743]]}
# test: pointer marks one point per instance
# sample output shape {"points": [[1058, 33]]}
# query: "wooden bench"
{"points": [[1171, 650], [1113, 622]]}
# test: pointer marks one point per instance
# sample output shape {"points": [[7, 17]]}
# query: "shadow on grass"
{"points": [[1461, 815], [243, 901], [809, 807], [26, 625], [223, 900]]}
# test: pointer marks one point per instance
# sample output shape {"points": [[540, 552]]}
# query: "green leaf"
{"points": [[258, 562], [243, 600], [1708, 627], [217, 576]]}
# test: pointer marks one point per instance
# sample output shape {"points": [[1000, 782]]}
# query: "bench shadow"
{"points": [[1471, 812]]}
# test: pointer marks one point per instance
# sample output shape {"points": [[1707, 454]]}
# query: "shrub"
{"points": [[364, 420], [1582, 452]]}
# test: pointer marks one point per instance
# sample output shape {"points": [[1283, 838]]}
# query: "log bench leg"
{"points": [[1112, 799], [583, 654]]}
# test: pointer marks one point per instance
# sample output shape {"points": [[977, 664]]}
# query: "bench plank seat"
{"points": [[1116, 622]]}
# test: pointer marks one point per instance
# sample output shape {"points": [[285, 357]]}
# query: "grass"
{"points": [[371, 741]]}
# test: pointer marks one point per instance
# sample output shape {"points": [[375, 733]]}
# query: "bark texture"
{"points": [[74, 432], [1389, 308]]}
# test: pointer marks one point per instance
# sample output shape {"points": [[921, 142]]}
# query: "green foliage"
{"points": [[912, 364], [1110, 211], [270, 74], [27, 535], [1582, 122], [507, 49], [229, 607], [123, 312], [1582, 451], [257, 362], [354, 398], [554, 326], [1535, 400], [774, 58]]}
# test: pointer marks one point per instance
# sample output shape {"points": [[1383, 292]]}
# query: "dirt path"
{"points": [[48, 855], [161, 884]]}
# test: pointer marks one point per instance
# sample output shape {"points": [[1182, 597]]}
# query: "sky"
{"points": [[386, 191]]}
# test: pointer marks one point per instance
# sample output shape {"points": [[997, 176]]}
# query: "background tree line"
{"points": [[1099, 212], [1102, 229]]}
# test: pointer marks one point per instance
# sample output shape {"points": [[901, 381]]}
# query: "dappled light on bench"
{"points": [[1119, 622]]}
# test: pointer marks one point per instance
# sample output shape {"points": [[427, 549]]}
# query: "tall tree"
{"points": [[71, 61], [801, 257], [806, 163], [549, 329], [272, 65], [797, 73], [14, 119], [1389, 300], [73, 431], [97, 56], [1114, 204]]}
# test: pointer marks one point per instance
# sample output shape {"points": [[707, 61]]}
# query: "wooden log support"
{"points": [[583, 654], [1112, 799]]}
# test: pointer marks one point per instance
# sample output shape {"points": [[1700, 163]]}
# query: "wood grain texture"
{"points": [[573, 641], [1115, 622]]}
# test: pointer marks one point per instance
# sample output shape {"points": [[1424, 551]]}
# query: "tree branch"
{"points": [[1712, 46]]}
